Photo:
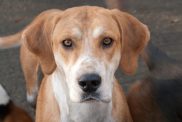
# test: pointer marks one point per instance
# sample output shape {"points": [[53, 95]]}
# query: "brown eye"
{"points": [[67, 43], [107, 42]]}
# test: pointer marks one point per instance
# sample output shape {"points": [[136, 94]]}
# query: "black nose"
{"points": [[89, 82]]}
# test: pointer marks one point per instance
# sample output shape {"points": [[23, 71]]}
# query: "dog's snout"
{"points": [[89, 82]]}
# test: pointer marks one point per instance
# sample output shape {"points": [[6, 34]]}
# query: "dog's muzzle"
{"points": [[89, 83]]}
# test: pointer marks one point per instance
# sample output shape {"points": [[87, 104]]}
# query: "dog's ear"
{"points": [[134, 38], [37, 38]]}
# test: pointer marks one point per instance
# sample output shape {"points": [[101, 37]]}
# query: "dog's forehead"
{"points": [[82, 19]]}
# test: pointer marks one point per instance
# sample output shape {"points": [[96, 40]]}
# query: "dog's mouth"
{"points": [[90, 99], [94, 97]]}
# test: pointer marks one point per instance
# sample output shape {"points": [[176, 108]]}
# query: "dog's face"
{"points": [[87, 44], [87, 47]]}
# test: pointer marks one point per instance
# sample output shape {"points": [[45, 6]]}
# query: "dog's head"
{"points": [[87, 44]]}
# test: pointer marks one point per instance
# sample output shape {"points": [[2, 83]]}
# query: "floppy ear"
{"points": [[37, 38], [134, 38]]}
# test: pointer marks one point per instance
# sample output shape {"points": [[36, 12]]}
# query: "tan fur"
{"points": [[47, 108], [7, 42], [120, 108], [30, 69], [135, 37], [42, 38]]}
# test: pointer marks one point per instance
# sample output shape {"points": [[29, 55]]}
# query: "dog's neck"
{"points": [[78, 112]]}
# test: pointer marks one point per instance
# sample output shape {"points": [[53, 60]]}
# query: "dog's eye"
{"points": [[67, 43], [107, 42]]}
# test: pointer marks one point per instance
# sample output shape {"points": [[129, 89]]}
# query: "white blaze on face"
{"points": [[77, 32], [84, 65], [108, 77], [4, 98], [97, 32]]}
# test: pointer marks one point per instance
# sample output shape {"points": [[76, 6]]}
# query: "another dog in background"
{"points": [[9, 112], [158, 97]]}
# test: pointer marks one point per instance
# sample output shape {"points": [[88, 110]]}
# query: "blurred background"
{"points": [[163, 17]]}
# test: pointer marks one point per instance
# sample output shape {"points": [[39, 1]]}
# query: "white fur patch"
{"points": [[60, 92], [4, 98], [83, 65], [31, 98], [98, 31], [77, 32], [91, 112]]}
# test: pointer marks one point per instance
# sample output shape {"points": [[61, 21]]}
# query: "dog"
{"points": [[158, 97], [79, 50], [8, 110]]}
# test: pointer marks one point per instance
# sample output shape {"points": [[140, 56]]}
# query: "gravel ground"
{"points": [[164, 18]]}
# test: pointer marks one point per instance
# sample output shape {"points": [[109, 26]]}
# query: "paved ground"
{"points": [[164, 18]]}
